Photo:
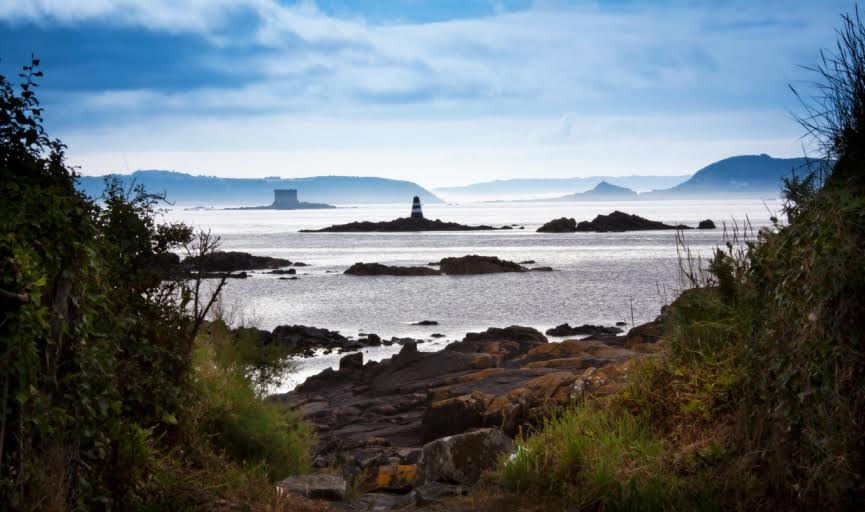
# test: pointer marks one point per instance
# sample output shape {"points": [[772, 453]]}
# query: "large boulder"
{"points": [[620, 221], [321, 487], [706, 224], [229, 261], [561, 225], [377, 269], [461, 459], [474, 264]]}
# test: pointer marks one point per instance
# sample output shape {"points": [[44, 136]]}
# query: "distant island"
{"points": [[603, 191], [186, 189], [286, 199], [415, 222]]}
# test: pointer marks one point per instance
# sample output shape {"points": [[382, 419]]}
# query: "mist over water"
{"points": [[599, 278]]}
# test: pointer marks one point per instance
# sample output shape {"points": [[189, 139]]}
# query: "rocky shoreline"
{"points": [[397, 428]]}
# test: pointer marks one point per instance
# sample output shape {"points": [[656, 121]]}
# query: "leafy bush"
{"points": [[97, 344]]}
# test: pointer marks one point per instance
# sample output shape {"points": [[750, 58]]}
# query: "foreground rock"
{"points": [[377, 269], [620, 221], [585, 329], [320, 487], [229, 261], [398, 225], [462, 458], [474, 264], [561, 225]]}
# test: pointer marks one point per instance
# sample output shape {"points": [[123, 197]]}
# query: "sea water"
{"points": [[598, 278]]}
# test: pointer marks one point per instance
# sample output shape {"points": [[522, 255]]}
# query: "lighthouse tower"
{"points": [[416, 212]]}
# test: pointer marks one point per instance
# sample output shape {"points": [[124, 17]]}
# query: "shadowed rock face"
{"points": [[706, 224], [620, 221], [398, 225]]}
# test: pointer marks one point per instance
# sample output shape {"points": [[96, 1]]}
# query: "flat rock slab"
{"points": [[318, 487]]}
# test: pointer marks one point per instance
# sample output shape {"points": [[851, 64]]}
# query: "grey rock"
{"points": [[317, 487], [463, 457]]}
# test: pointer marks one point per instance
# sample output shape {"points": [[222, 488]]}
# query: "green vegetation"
{"points": [[115, 391], [758, 399]]}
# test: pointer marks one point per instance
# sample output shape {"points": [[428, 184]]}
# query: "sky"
{"points": [[441, 92]]}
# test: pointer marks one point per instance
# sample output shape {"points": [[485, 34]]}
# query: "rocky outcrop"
{"points": [[229, 261], [706, 224], [561, 225], [585, 329], [474, 264], [502, 377], [426, 322], [620, 221], [397, 225], [377, 269], [427, 424]]}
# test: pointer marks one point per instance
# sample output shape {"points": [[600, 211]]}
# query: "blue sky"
{"points": [[441, 92]]}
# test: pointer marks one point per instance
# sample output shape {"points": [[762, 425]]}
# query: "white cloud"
{"points": [[645, 88]]}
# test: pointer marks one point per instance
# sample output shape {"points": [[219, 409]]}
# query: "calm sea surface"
{"points": [[599, 277]]}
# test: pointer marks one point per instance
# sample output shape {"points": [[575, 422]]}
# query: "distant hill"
{"points": [[523, 188], [603, 191], [741, 175], [186, 189]]}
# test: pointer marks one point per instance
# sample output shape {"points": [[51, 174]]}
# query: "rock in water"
{"points": [[317, 487], [706, 224], [377, 269], [228, 261], [475, 264], [561, 225], [620, 221], [462, 458]]}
